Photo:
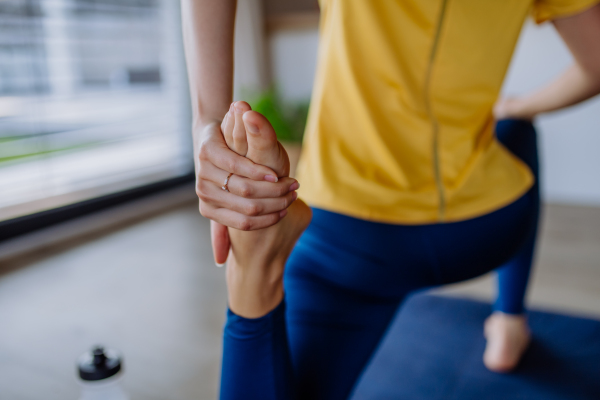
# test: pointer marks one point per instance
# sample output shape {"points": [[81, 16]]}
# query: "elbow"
{"points": [[592, 74]]}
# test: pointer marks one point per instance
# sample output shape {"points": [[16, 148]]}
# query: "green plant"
{"points": [[288, 119]]}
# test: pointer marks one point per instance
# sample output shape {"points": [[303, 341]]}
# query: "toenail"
{"points": [[251, 127]]}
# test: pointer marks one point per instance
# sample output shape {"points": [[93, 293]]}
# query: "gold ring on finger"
{"points": [[225, 186]]}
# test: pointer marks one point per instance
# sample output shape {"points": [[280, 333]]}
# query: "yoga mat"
{"points": [[434, 350]]}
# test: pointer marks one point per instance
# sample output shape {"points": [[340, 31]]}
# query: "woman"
{"points": [[409, 185]]}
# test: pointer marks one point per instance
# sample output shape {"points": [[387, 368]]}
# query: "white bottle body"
{"points": [[105, 389]]}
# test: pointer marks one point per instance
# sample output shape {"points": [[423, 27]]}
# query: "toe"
{"points": [[227, 127], [263, 147], [240, 143], [261, 132]]}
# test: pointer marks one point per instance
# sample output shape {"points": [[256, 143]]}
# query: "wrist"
{"points": [[200, 124], [199, 130], [520, 108], [513, 108]]}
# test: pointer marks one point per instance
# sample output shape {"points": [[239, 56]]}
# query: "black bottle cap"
{"points": [[98, 364]]}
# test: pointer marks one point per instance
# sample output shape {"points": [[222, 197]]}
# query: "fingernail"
{"points": [[271, 178], [251, 127], [238, 108], [294, 186], [294, 196], [220, 265], [283, 213]]}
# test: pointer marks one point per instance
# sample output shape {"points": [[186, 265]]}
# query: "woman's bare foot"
{"points": [[257, 260], [508, 337]]}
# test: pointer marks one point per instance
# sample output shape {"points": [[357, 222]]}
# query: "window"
{"points": [[93, 100]]}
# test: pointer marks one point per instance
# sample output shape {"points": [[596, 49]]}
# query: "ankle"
{"points": [[253, 292], [502, 317], [499, 323]]}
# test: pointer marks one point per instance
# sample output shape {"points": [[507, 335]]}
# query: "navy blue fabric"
{"points": [[521, 139], [434, 346], [346, 279], [265, 366]]}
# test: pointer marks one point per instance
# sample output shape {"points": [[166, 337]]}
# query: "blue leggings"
{"points": [[347, 278]]}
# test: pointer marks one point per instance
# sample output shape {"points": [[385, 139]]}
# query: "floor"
{"points": [[152, 291]]}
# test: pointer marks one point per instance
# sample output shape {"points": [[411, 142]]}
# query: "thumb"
{"points": [[220, 242]]}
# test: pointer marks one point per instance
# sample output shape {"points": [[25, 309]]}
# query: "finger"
{"points": [[217, 197], [228, 128], [220, 242], [240, 143], [216, 152], [248, 188], [239, 221]]}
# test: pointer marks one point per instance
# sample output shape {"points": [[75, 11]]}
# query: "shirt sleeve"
{"points": [[544, 10]]}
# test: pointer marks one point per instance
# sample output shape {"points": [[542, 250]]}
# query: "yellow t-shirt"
{"points": [[400, 128]]}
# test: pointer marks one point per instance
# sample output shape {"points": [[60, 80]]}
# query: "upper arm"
{"points": [[547, 10], [581, 33]]}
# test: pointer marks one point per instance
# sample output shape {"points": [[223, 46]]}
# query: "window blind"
{"points": [[93, 100]]}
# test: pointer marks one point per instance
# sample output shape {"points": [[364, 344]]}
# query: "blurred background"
{"points": [[93, 100], [100, 237]]}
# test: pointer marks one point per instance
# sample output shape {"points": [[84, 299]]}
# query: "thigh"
{"points": [[333, 330], [464, 250], [470, 248], [366, 257]]}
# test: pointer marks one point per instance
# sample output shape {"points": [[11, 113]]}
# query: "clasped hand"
{"points": [[258, 196]]}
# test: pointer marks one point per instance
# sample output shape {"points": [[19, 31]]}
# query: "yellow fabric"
{"points": [[545, 10], [400, 128]]}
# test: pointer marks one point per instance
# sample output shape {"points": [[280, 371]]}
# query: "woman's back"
{"points": [[401, 125]]}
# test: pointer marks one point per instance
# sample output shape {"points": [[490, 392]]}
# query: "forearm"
{"points": [[208, 35], [572, 87], [580, 82]]}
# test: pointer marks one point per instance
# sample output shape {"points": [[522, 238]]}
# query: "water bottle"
{"points": [[100, 375]]}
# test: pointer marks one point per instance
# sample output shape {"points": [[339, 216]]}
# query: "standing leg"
{"points": [[520, 138], [333, 333], [506, 329]]}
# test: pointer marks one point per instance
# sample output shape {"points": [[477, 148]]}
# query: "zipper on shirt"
{"points": [[431, 116]]}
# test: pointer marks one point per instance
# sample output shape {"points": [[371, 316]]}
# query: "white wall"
{"points": [[569, 139], [251, 67], [294, 58]]}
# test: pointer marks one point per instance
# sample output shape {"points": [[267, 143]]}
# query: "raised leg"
{"points": [[256, 363]]}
